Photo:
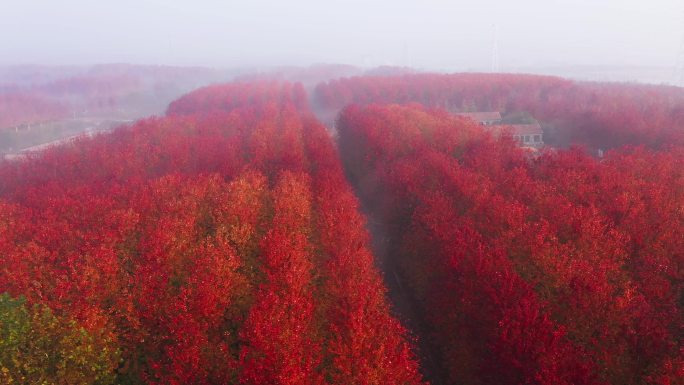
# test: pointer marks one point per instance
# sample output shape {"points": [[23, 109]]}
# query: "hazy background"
{"points": [[428, 34]]}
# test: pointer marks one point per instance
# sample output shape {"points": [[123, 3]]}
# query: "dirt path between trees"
{"points": [[404, 306]]}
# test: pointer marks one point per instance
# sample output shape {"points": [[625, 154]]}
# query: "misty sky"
{"points": [[430, 34]]}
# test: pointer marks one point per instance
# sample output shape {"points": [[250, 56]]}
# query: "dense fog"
{"points": [[578, 37]]}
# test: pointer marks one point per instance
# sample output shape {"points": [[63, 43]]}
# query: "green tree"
{"points": [[37, 347]]}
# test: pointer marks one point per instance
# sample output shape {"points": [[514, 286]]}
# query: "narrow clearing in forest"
{"points": [[404, 306]]}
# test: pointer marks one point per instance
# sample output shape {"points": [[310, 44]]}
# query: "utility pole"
{"points": [[496, 67]]}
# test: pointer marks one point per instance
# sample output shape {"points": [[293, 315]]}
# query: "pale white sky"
{"points": [[430, 34]]}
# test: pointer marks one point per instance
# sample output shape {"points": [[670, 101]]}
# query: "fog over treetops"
{"points": [[597, 40]]}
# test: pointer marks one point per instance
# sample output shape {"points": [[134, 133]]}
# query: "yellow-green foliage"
{"points": [[36, 347]]}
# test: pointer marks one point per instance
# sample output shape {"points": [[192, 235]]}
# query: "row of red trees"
{"points": [[222, 244], [31, 95], [559, 270], [222, 98], [17, 108], [215, 245], [596, 114]]}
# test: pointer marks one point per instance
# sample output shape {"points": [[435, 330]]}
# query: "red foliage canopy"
{"points": [[526, 270], [205, 245]]}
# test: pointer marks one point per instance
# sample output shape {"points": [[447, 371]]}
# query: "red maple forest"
{"points": [[224, 243]]}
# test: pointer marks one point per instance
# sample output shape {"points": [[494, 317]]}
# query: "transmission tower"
{"points": [[496, 67]]}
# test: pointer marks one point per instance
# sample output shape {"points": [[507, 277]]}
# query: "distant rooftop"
{"points": [[518, 130], [485, 116], [526, 129]]}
